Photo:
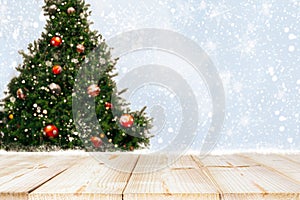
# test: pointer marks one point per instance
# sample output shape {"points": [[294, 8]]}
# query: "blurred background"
{"points": [[254, 45]]}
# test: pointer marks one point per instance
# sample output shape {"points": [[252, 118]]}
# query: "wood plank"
{"points": [[182, 180], [10, 164], [17, 167], [250, 182], [17, 183], [11, 160], [293, 157], [89, 179], [278, 164], [37, 176], [225, 161]]}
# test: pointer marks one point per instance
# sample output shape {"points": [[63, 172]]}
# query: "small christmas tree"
{"points": [[40, 101]]}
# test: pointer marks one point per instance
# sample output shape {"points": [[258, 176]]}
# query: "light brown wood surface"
{"points": [[244, 178], [293, 157], [183, 179], [278, 164], [125, 176], [22, 174], [89, 179]]}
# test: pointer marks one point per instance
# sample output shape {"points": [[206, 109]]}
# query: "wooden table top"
{"points": [[126, 176]]}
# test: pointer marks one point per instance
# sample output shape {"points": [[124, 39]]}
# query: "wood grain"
{"points": [[225, 161], [89, 179], [19, 166], [125, 176], [181, 180], [27, 176], [293, 157], [279, 164], [250, 180]]}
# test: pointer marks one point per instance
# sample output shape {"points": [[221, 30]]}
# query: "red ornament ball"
{"points": [[71, 10], [56, 41], [56, 69], [80, 48], [126, 120], [21, 94], [108, 106], [97, 142], [51, 131], [93, 90]]}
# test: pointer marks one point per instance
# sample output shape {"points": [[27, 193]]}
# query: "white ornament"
{"points": [[52, 8], [12, 99], [74, 60], [48, 63]]}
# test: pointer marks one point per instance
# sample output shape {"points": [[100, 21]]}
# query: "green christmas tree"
{"points": [[40, 102]]}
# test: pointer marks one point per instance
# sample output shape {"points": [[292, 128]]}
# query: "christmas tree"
{"points": [[40, 102]]}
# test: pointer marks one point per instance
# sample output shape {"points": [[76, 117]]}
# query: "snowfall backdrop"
{"points": [[253, 44]]}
